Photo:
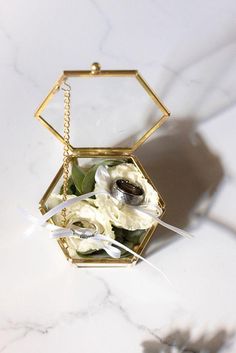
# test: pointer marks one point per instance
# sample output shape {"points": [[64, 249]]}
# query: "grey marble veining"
{"points": [[186, 51]]}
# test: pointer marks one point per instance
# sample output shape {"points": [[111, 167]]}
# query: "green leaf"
{"points": [[89, 180], [81, 182], [71, 187], [77, 176], [101, 254], [134, 236], [131, 236], [111, 162], [125, 253]]}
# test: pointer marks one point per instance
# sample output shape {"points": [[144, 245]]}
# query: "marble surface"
{"points": [[186, 50]]}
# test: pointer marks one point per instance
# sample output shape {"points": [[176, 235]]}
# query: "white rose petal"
{"points": [[85, 212], [122, 215]]}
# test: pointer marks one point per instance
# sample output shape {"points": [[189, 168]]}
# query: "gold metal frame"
{"points": [[97, 72], [89, 152], [102, 262]]}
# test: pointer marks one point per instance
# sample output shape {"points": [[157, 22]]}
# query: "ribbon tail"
{"points": [[66, 204], [117, 243], [61, 233], [30, 230], [33, 220], [112, 251], [177, 230]]}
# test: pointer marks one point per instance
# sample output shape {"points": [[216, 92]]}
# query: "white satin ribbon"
{"points": [[111, 250], [164, 224], [44, 218], [60, 232], [103, 181], [85, 233]]}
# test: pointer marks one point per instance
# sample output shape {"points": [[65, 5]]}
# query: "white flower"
{"points": [[120, 214], [86, 215]]}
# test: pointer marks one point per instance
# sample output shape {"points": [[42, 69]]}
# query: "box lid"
{"points": [[114, 110]]}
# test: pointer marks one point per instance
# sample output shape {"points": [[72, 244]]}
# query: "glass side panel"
{"points": [[105, 111]]}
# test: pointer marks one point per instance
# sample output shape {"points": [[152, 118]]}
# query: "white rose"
{"points": [[120, 214], [86, 215]]}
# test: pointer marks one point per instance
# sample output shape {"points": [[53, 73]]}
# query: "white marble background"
{"points": [[187, 52]]}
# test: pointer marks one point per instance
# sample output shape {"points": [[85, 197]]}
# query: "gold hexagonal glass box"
{"points": [[112, 113]]}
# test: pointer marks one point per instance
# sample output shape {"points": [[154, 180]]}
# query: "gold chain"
{"points": [[66, 150]]}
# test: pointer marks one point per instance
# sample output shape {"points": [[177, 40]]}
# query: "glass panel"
{"points": [[114, 221], [105, 111]]}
